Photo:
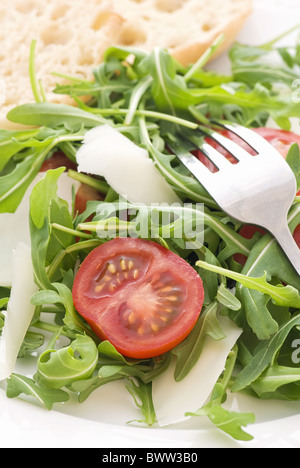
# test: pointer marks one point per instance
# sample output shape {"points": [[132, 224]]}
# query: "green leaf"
{"points": [[31, 342], [14, 184], [47, 244], [18, 384], [42, 195], [281, 295], [72, 319], [257, 313], [168, 90], [59, 368], [187, 353], [265, 356], [229, 422], [53, 115], [293, 159], [12, 141], [275, 377], [39, 244], [254, 64], [227, 298], [3, 301], [142, 395], [108, 354]]}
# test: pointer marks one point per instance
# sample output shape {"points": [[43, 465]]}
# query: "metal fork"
{"points": [[257, 190]]}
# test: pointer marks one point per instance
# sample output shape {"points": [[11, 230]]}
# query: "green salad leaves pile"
{"points": [[158, 104]]}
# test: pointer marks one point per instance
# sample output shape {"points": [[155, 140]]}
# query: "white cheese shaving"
{"points": [[173, 399], [19, 309], [15, 226], [127, 168]]}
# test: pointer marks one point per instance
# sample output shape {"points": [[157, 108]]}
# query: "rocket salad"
{"points": [[233, 272]]}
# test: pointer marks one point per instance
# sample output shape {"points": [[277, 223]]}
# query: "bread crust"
{"points": [[72, 37], [191, 52]]}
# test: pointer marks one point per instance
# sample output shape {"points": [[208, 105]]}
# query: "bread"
{"points": [[72, 36]]}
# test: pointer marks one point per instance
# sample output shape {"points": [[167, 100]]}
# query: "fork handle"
{"points": [[287, 243]]}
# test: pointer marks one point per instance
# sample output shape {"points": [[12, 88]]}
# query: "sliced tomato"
{"points": [[282, 140], [84, 194], [247, 231], [138, 295], [58, 159]]}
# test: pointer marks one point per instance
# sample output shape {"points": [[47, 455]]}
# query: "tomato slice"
{"points": [[282, 140], [138, 295], [247, 231], [58, 159], [84, 194]]}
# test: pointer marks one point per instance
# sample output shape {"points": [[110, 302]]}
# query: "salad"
{"points": [[135, 273]]}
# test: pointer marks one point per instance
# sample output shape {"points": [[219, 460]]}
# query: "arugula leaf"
{"points": [[12, 141], [188, 352], [59, 368], [46, 208], [293, 159], [18, 384], [14, 185], [53, 115], [265, 356], [273, 378], [254, 64], [281, 295], [227, 298], [42, 195], [31, 342], [142, 396], [168, 90]]}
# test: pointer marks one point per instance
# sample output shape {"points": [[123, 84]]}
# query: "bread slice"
{"points": [[72, 36]]}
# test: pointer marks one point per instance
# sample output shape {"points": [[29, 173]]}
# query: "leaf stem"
{"points": [[147, 113], [202, 61], [269, 45], [99, 185], [32, 73], [73, 232]]}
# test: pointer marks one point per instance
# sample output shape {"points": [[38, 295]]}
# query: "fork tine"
{"points": [[218, 159], [196, 167], [233, 148], [253, 139]]}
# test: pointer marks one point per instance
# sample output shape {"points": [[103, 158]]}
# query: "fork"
{"points": [[257, 190]]}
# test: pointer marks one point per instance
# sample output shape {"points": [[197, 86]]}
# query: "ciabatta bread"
{"points": [[72, 36]]}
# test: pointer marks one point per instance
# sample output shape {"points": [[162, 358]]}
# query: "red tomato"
{"points": [[282, 140], [83, 195], [247, 231], [138, 295], [84, 192], [58, 159]]}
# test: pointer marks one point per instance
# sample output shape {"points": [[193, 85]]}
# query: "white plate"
{"points": [[101, 421]]}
